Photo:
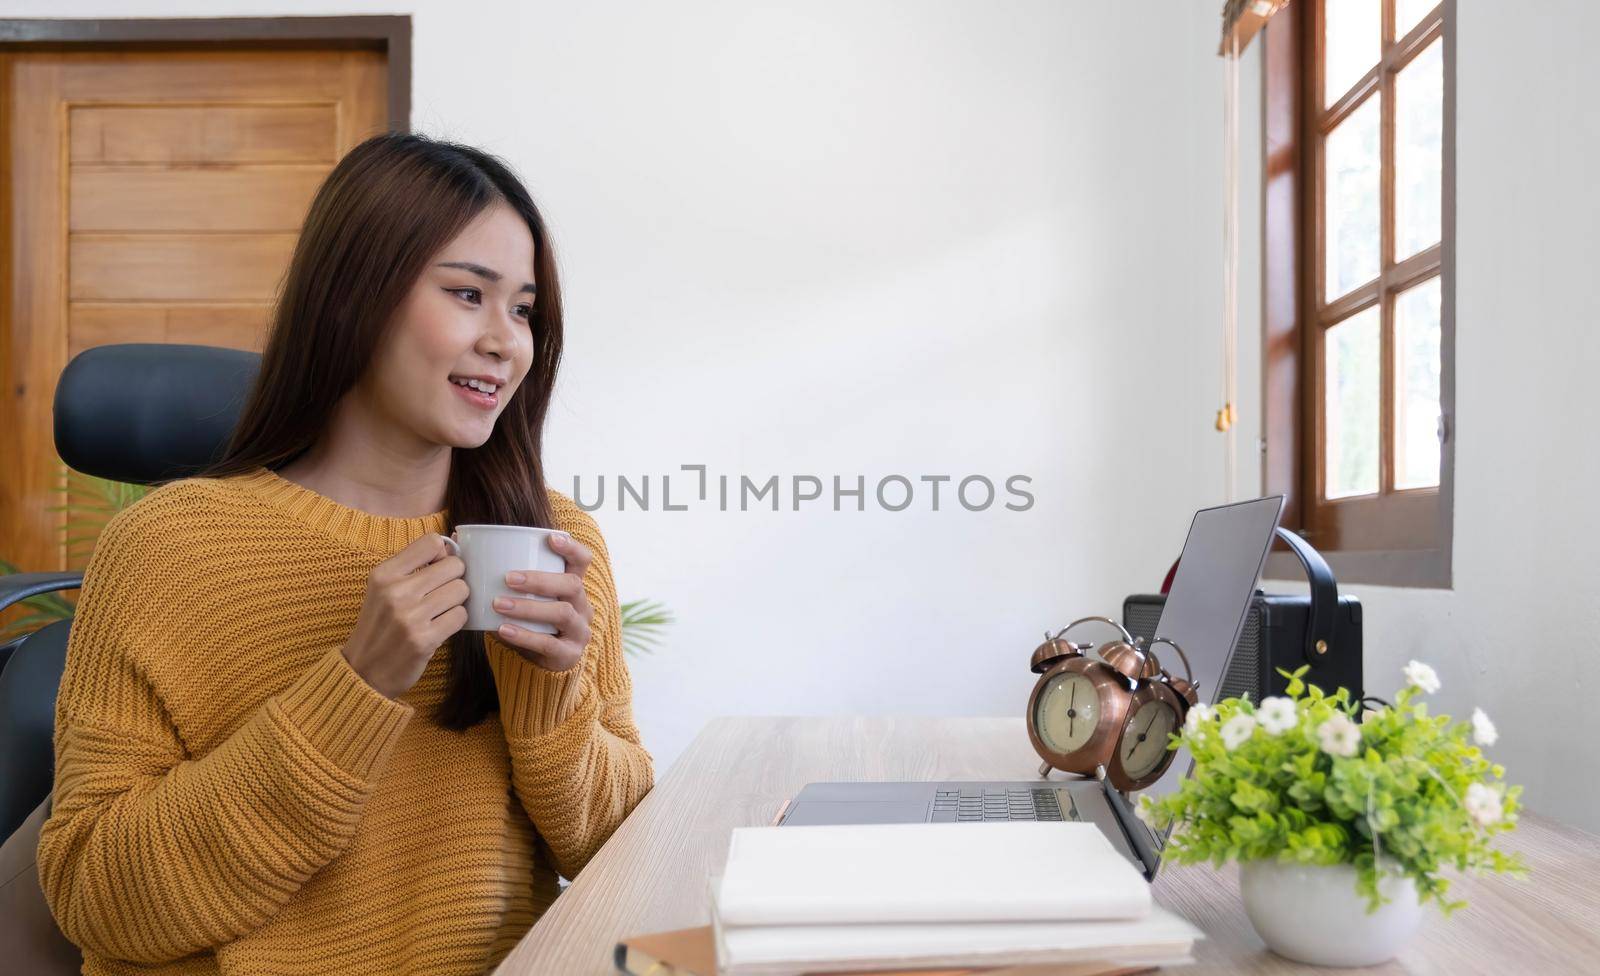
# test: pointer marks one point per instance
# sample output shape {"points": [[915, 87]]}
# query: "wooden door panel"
{"points": [[244, 197], [36, 300], [205, 133], [237, 326], [195, 267], [155, 196], [194, 76]]}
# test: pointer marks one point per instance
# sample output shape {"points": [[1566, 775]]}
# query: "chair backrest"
{"points": [[5, 652], [143, 413], [27, 722], [150, 412]]}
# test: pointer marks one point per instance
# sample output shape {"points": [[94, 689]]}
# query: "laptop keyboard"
{"points": [[975, 804]]}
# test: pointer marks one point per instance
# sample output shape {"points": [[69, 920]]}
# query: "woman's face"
{"points": [[468, 316]]}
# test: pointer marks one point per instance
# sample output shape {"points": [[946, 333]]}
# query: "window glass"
{"points": [[1418, 155], [1351, 201], [1353, 39], [1351, 406]]}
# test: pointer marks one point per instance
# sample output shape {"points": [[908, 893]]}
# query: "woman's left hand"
{"points": [[568, 610]]}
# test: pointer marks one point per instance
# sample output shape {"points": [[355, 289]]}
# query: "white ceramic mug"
{"points": [[492, 551]]}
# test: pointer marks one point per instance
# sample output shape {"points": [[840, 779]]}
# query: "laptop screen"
{"points": [[1210, 597]]}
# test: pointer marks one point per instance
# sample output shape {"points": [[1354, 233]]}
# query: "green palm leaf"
{"points": [[642, 624], [89, 503]]}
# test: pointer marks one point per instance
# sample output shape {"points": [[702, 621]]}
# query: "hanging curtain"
{"points": [[1241, 21]]}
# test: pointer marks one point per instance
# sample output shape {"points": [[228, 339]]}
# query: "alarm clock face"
{"points": [[1067, 712], [1141, 755], [1144, 737]]}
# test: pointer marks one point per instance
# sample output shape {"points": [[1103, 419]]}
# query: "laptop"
{"points": [[1204, 613]]}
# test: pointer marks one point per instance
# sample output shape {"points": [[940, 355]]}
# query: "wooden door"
{"points": [[154, 196]]}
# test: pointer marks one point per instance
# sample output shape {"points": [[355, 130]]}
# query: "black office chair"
{"points": [[143, 413]]}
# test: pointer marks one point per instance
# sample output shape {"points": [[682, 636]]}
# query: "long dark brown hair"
{"points": [[391, 204]]}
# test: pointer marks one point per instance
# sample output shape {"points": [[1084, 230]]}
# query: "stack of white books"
{"points": [[870, 897]]}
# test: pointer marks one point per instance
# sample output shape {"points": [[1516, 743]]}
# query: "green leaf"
{"points": [[643, 624]]}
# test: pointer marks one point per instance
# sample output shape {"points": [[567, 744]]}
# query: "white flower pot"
{"points": [[1312, 913]]}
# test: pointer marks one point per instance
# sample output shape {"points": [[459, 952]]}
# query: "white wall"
{"points": [[848, 239], [842, 239]]}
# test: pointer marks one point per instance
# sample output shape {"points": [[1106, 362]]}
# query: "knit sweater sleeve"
{"points": [[577, 763], [150, 853]]}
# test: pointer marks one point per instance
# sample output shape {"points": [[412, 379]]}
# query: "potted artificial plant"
{"points": [[1342, 819]]}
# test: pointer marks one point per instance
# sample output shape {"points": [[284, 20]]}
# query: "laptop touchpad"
{"points": [[815, 812]]}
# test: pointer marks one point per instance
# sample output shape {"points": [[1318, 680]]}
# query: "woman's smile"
{"points": [[478, 398]]}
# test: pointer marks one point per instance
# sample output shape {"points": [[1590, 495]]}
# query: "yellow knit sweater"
{"points": [[231, 797]]}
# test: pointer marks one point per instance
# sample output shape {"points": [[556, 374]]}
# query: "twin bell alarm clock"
{"points": [[1111, 706]]}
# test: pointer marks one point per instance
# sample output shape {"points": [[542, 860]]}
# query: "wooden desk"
{"points": [[651, 875]]}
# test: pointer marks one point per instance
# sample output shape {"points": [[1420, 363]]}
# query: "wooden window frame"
{"points": [[1395, 538]]}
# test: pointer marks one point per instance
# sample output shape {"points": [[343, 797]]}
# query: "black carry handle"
{"points": [[1324, 596]]}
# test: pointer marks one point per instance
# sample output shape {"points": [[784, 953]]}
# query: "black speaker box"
{"points": [[1322, 629]]}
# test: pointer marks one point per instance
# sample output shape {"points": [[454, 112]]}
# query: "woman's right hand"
{"points": [[414, 602]]}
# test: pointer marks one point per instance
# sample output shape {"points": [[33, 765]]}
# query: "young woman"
{"points": [[276, 749]]}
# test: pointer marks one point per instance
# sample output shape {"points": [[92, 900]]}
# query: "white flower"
{"points": [[1419, 675], [1483, 731], [1237, 729], [1339, 736], [1199, 714], [1277, 715], [1483, 804]]}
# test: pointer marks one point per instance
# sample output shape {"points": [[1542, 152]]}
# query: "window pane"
{"points": [[1351, 201], [1352, 41], [1418, 136], [1408, 12], [1416, 370], [1350, 419]]}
